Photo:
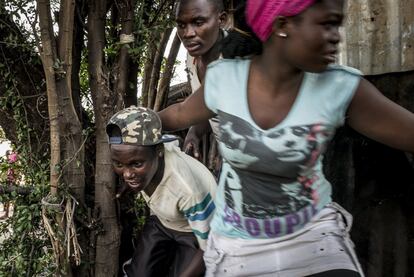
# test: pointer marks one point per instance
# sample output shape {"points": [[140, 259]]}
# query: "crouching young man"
{"points": [[178, 189]]}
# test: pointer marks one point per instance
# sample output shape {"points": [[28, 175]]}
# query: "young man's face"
{"points": [[198, 25], [137, 165]]}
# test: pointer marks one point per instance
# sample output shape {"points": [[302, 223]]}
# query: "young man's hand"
{"points": [[192, 140], [192, 144]]}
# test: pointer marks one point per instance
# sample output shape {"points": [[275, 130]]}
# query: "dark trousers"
{"points": [[161, 251]]}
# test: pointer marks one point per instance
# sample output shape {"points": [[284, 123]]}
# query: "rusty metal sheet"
{"points": [[378, 36]]}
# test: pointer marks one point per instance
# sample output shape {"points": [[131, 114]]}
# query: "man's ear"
{"points": [[223, 19], [160, 150]]}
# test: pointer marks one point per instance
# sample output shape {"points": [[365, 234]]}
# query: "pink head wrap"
{"points": [[260, 14]]}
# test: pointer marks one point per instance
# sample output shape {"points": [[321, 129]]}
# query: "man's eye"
{"points": [[117, 164], [199, 22], [180, 25], [137, 165]]}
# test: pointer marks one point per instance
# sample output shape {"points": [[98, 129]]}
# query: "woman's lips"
{"points": [[330, 58]]}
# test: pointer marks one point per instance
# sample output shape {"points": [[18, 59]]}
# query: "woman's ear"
{"points": [[279, 27]]}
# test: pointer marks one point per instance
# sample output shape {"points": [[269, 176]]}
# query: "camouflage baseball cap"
{"points": [[136, 126]]}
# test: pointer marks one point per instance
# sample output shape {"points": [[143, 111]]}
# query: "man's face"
{"points": [[198, 25], [137, 165]]}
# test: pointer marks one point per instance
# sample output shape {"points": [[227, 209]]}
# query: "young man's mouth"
{"points": [[192, 47], [134, 185]]}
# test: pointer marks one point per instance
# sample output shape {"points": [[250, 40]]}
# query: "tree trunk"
{"points": [[155, 73], [167, 74], [65, 130], [49, 56], [122, 86], [71, 128], [78, 47], [105, 103], [149, 64], [131, 97]]}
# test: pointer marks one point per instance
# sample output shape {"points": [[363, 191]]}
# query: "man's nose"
{"points": [[189, 31], [127, 174]]}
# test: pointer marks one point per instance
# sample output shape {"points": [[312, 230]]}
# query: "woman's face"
{"points": [[313, 36]]}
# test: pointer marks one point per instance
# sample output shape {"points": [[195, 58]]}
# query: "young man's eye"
{"points": [[199, 23], [137, 164], [116, 164], [180, 25]]}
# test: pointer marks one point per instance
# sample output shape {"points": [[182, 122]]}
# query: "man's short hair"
{"points": [[218, 4]]}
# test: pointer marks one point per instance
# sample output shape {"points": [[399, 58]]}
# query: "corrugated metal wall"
{"points": [[378, 36]]}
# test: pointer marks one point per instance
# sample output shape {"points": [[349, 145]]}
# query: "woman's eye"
{"points": [[332, 24]]}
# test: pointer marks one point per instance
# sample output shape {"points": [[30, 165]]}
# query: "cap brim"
{"points": [[168, 138]]}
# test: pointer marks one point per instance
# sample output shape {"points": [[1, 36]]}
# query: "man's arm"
{"points": [[199, 210]]}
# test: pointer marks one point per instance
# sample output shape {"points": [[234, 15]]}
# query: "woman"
{"points": [[274, 212]]}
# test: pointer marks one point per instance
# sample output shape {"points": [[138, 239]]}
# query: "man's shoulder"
{"points": [[186, 174]]}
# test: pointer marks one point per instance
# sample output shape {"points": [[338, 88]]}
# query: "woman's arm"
{"points": [[377, 117], [185, 114]]}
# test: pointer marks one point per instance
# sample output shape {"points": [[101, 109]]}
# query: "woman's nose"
{"points": [[335, 36]]}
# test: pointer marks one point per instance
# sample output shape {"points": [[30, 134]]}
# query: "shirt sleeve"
{"points": [[213, 84], [345, 81], [199, 210]]}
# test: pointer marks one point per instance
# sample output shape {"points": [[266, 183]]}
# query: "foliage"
{"points": [[25, 246], [140, 210], [26, 249], [149, 26], [2, 135]]}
